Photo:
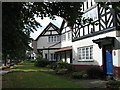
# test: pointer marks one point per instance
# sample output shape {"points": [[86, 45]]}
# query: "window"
{"points": [[93, 13], [58, 38], [53, 38], [85, 53], [46, 56], [91, 3], [53, 57], [63, 37], [87, 4], [49, 39], [69, 35]]}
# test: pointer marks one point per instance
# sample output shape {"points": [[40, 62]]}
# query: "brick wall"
{"points": [[116, 70]]}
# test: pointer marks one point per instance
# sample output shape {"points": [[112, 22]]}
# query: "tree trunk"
{"points": [[5, 62]]}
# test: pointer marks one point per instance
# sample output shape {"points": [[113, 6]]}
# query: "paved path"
{"points": [[95, 83], [88, 83], [2, 72]]}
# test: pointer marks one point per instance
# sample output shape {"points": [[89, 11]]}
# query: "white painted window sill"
{"points": [[86, 60]]}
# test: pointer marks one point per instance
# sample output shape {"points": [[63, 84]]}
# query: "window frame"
{"points": [[58, 38], [64, 37], [85, 53], [52, 57], [69, 35], [52, 39], [46, 55], [91, 13]]}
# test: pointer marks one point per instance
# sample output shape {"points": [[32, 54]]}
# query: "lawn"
{"points": [[27, 66], [22, 77], [36, 80]]}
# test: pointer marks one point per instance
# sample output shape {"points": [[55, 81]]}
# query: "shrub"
{"points": [[32, 60], [61, 71], [85, 75], [60, 67], [79, 75], [113, 84], [52, 65], [11, 64], [60, 64], [63, 65], [69, 67], [93, 72], [42, 62]]}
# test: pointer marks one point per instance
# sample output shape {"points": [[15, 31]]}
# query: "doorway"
{"points": [[71, 57], [107, 59]]}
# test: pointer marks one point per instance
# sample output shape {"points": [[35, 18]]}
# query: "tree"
{"points": [[15, 38], [19, 20]]}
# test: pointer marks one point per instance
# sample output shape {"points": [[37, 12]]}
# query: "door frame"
{"points": [[104, 58]]}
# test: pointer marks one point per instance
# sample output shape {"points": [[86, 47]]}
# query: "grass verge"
{"points": [[27, 66], [36, 80]]}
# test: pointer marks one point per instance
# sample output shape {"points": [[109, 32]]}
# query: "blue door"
{"points": [[109, 63]]}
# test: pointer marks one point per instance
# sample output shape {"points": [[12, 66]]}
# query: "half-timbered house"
{"points": [[55, 44], [49, 41], [88, 44], [97, 45]]}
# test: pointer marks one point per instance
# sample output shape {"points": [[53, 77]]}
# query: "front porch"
{"points": [[64, 54]]}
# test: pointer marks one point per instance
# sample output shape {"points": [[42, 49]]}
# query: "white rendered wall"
{"points": [[67, 42], [97, 52], [116, 52]]}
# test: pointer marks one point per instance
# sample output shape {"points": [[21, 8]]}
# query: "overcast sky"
{"points": [[44, 23]]}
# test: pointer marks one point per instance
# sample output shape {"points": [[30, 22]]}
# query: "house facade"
{"points": [[65, 51], [48, 41], [97, 45], [55, 43]]}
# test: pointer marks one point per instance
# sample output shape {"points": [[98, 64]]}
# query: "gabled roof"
{"points": [[46, 29], [62, 25], [104, 41]]}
